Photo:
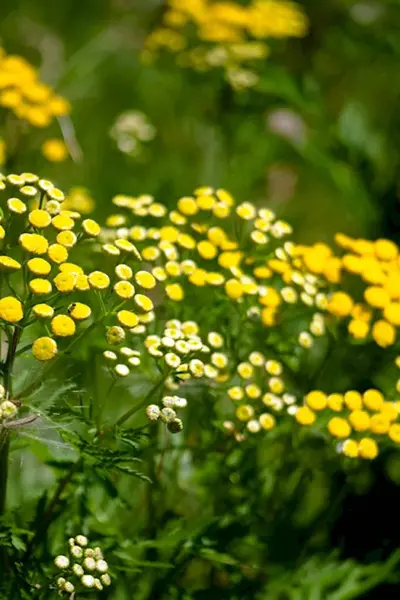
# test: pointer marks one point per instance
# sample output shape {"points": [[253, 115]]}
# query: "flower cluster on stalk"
{"points": [[227, 35]]}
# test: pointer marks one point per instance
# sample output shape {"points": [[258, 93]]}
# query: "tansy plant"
{"points": [[27, 101], [266, 311], [230, 35]]}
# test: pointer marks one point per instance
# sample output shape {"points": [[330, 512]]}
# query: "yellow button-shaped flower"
{"points": [[124, 289], [145, 280], [143, 302], [91, 228], [99, 280], [57, 253], [67, 239], [63, 326], [44, 348], [43, 311], [39, 266], [39, 218], [40, 287], [127, 318], [9, 264], [79, 311], [11, 309], [33, 243]]}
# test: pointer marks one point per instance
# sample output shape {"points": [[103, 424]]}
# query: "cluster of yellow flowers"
{"points": [[44, 292], [255, 379], [372, 309], [25, 95], [231, 35], [235, 263], [360, 422]]}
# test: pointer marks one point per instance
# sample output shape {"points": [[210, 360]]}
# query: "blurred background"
{"points": [[317, 139]]}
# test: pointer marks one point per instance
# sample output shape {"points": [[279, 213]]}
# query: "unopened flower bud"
{"points": [[61, 561], [153, 412], [175, 425]]}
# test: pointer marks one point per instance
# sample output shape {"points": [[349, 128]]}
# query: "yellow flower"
{"points": [[246, 211], [63, 222], [39, 218], [65, 282], [350, 448], [244, 412], [360, 420], [270, 298], [143, 302], [316, 400], [386, 250], [187, 206], [340, 304], [124, 289], [54, 150], [174, 292], [123, 271], [9, 264], [305, 416], [205, 202], [235, 393], [63, 326], [127, 246], [115, 335], [39, 266], [379, 424], [394, 433], [99, 280], [33, 243], [339, 427], [392, 313], [91, 228], [234, 289], [44, 348], [2, 232], [11, 309], [82, 283], [335, 402], [57, 253], [67, 239], [16, 206], [71, 268], [43, 311], [145, 280], [358, 329], [376, 296], [207, 250], [267, 421], [268, 316], [40, 286], [368, 448], [127, 318], [373, 399], [383, 333], [79, 311], [353, 400], [245, 370]]}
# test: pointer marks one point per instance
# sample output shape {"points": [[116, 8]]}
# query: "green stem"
{"points": [[29, 389], [142, 403]]}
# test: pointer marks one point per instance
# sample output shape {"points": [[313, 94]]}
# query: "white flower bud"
{"points": [[109, 355], [8, 409], [105, 579], [101, 566], [97, 584], [122, 370], [61, 581], [76, 551], [89, 563], [167, 414], [68, 587], [153, 412], [78, 570], [88, 581], [61, 561], [81, 540]]}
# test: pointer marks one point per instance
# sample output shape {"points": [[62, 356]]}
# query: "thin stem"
{"points": [[142, 403], [29, 389]]}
